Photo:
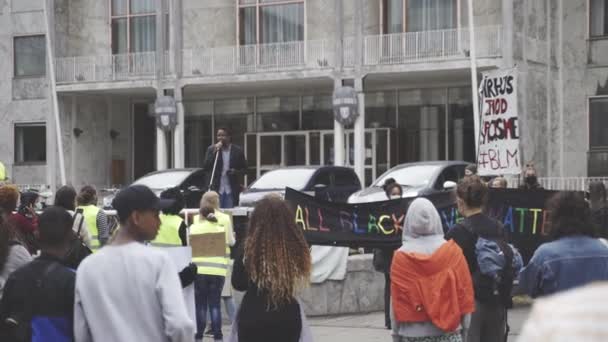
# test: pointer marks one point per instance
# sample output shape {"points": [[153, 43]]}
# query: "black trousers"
{"points": [[387, 299]]}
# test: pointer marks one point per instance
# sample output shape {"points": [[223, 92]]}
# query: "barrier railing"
{"points": [[312, 54]]}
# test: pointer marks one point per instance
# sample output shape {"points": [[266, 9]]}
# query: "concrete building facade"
{"points": [[267, 69]]}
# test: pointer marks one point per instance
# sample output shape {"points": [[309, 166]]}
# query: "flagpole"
{"points": [[53, 89], [474, 84]]}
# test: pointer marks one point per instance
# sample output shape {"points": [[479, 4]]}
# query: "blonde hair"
{"points": [[210, 199]]}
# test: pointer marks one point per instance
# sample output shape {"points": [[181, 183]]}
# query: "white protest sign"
{"points": [[499, 133], [182, 256]]}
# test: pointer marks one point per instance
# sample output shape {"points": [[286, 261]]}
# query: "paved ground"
{"points": [[370, 328]]}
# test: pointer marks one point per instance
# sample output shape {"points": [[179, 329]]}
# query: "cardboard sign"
{"points": [[208, 245], [499, 134]]}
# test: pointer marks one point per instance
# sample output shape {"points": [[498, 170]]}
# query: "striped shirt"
{"points": [[576, 315]]}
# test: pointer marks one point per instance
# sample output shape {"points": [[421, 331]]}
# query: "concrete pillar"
{"points": [[360, 133], [109, 142], [161, 138], [507, 32], [338, 136], [179, 132]]}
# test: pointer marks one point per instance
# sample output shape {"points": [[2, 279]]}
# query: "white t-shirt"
{"points": [[130, 292]]}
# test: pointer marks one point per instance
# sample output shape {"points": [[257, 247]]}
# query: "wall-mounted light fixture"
{"points": [[77, 132]]}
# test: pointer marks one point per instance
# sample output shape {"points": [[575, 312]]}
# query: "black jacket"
{"points": [[238, 164], [43, 289], [256, 322]]}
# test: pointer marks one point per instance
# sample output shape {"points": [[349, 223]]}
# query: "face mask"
{"points": [[531, 180], [395, 197]]}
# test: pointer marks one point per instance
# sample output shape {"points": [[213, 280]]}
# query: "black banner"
{"points": [[379, 224], [376, 224]]}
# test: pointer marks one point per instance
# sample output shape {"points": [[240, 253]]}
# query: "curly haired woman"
{"points": [[274, 266]]}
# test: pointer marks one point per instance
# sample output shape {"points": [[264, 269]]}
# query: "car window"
{"points": [[449, 174], [323, 177], [163, 180], [197, 179], [413, 175], [346, 178], [282, 178]]}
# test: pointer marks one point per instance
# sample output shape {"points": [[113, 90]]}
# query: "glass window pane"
{"points": [[119, 36], [380, 109], [317, 112], [247, 26], [393, 16], [142, 6], [278, 114], [247, 2], [119, 7], [598, 123], [428, 15], [462, 128], [30, 144], [295, 150], [198, 131], [421, 125], [143, 34], [237, 115], [597, 18], [282, 23], [30, 56]]}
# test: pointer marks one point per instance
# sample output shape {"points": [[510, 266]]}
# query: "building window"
{"points": [[30, 143], [30, 56], [418, 15], [133, 26], [598, 139], [270, 21], [597, 18]]}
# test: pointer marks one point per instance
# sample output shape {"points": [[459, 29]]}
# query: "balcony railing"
{"points": [[106, 68], [260, 58], [412, 47]]}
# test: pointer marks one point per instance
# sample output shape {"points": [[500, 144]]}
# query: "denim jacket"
{"points": [[564, 264]]}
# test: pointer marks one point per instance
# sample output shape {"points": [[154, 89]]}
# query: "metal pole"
{"points": [[53, 89], [474, 85]]}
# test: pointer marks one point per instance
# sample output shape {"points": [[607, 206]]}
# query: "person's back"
{"points": [[128, 291], [599, 217], [564, 264], [577, 315], [38, 299], [574, 258], [41, 292], [120, 283]]}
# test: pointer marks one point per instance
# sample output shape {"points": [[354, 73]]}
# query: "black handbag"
{"points": [[78, 249]]}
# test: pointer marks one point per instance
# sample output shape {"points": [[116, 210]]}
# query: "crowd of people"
{"points": [[64, 276]]}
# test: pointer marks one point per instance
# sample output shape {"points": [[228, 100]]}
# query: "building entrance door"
{"points": [[272, 150]]}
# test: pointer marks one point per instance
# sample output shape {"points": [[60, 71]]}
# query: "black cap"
{"points": [[137, 198]]}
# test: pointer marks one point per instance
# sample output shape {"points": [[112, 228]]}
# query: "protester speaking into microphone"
{"points": [[225, 164]]}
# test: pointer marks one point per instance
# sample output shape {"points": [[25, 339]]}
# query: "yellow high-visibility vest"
{"points": [[168, 234], [90, 213], [223, 219], [2, 172], [217, 266]]}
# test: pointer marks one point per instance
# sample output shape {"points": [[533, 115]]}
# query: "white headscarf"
{"points": [[422, 229]]}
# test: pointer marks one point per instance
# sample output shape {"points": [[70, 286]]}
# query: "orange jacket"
{"points": [[435, 288]]}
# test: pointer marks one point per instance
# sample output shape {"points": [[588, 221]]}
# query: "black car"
{"points": [[332, 183], [191, 182], [416, 179]]}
